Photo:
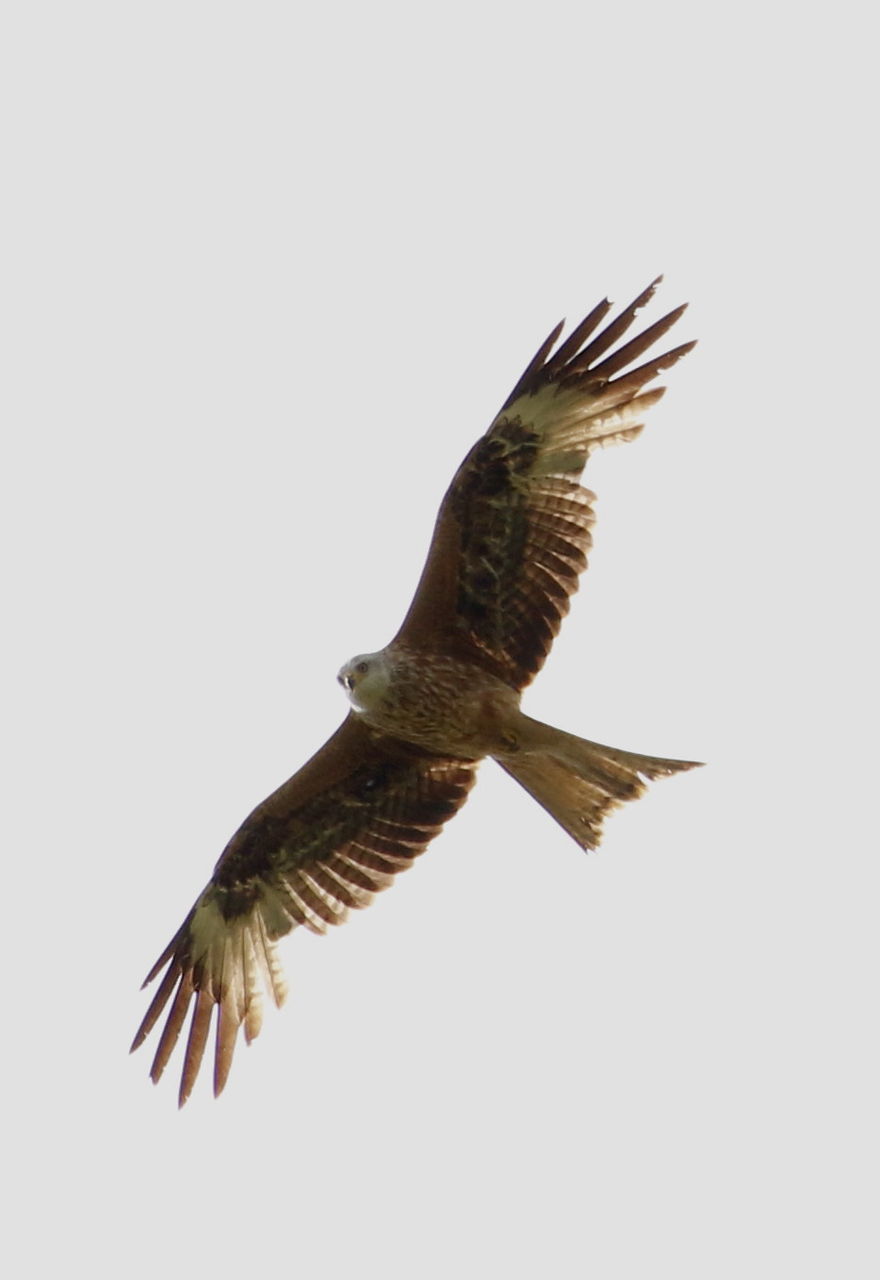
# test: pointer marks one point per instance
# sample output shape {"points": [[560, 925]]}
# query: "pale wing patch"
{"points": [[570, 428], [229, 963]]}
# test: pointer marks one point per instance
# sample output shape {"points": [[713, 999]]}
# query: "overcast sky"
{"points": [[271, 270]]}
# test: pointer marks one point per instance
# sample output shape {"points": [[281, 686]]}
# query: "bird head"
{"points": [[365, 679]]}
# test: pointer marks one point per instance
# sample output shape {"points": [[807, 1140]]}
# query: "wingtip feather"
{"points": [[173, 1025], [199, 1030]]}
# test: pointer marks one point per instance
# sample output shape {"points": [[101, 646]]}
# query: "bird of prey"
{"points": [[510, 542]]}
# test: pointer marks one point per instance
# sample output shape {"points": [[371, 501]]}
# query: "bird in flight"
{"points": [[509, 545]]}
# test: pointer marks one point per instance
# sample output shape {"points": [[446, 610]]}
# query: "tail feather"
{"points": [[578, 782]]}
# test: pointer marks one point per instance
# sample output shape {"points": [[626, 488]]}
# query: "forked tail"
{"points": [[578, 782]]}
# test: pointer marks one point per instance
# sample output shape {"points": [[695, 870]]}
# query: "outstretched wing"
{"points": [[513, 530], [328, 839]]}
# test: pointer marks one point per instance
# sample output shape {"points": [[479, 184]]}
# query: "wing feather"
{"points": [[633, 349], [199, 1028], [253, 986], [175, 1020], [610, 334], [513, 531], [335, 834], [576, 339]]}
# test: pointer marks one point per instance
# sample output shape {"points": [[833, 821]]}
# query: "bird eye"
{"points": [[362, 668]]}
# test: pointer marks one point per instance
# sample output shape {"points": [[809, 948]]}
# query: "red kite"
{"points": [[508, 547]]}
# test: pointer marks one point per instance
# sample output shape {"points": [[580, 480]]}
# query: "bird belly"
{"points": [[445, 705]]}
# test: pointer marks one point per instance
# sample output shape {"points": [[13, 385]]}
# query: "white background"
{"points": [[269, 271]]}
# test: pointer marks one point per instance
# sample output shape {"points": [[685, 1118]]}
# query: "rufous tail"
{"points": [[578, 782]]}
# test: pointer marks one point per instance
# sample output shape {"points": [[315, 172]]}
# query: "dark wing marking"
{"points": [[333, 835], [513, 530]]}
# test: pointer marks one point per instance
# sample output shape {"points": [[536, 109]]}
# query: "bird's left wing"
{"points": [[328, 839], [514, 527]]}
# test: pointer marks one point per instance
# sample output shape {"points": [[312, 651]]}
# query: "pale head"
{"points": [[365, 679]]}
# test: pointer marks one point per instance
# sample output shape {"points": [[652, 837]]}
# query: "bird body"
{"points": [[457, 709], [437, 701], [509, 545]]}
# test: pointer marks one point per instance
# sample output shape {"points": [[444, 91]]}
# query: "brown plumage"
{"points": [[510, 542]]}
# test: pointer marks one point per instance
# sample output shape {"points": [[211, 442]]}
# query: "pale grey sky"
{"points": [[271, 271]]}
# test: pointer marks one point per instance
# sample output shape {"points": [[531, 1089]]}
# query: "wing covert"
{"points": [[327, 840], [513, 531]]}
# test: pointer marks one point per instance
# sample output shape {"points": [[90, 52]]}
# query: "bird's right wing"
{"points": [[513, 531], [328, 839]]}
